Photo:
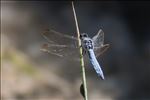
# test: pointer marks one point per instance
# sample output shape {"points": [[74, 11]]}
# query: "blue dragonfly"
{"points": [[63, 45]]}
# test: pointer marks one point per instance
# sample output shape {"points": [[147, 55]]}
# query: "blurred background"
{"points": [[29, 74]]}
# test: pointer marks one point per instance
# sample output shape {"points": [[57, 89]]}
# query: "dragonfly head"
{"points": [[83, 35]]}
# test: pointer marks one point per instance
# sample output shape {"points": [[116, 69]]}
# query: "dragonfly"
{"points": [[63, 45]]}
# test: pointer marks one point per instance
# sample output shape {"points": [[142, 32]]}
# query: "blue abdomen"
{"points": [[95, 63]]}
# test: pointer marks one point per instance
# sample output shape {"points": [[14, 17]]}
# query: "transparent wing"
{"points": [[100, 50], [98, 39], [60, 44], [53, 36], [99, 46]]}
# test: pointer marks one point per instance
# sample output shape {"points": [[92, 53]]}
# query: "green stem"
{"points": [[81, 56]]}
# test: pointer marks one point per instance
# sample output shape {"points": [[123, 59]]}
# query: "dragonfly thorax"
{"points": [[87, 43]]}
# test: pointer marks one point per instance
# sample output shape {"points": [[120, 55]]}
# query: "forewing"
{"points": [[98, 39], [53, 36], [100, 50]]}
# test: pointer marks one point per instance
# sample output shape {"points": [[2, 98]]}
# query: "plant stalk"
{"points": [[81, 55]]}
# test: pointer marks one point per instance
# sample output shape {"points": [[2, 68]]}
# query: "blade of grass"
{"points": [[81, 56]]}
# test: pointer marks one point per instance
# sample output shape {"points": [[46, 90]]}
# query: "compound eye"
{"points": [[81, 36], [85, 35]]}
